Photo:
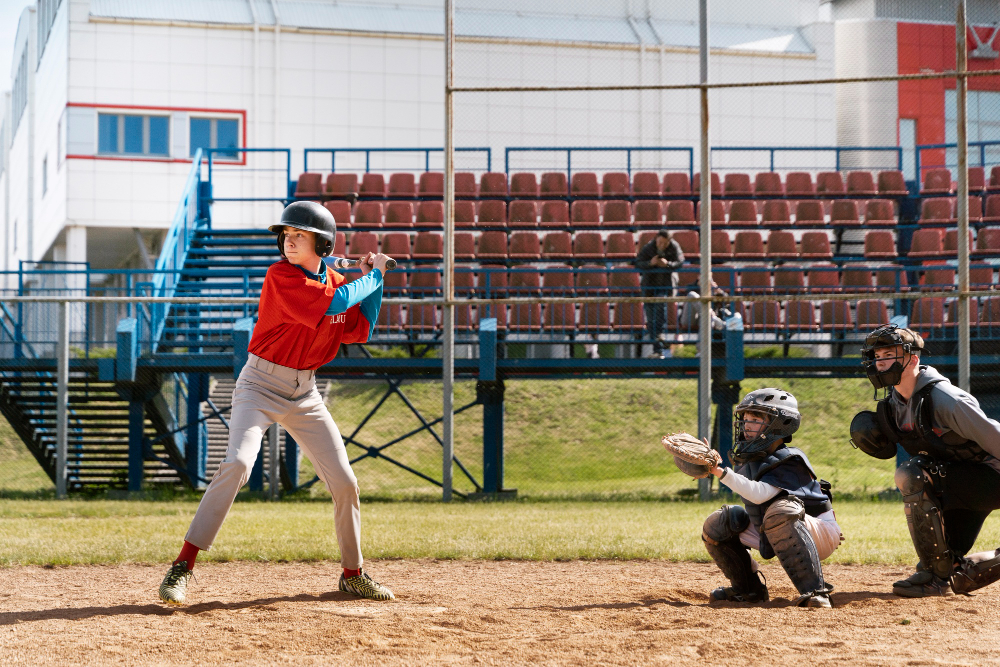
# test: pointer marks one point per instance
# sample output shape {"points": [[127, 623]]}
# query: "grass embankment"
{"points": [[75, 532]]}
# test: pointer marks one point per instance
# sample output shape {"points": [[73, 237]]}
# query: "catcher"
{"points": [[952, 482], [788, 511]]}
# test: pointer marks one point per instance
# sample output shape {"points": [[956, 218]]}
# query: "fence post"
{"points": [[62, 400], [275, 462], [290, 466], [490, 392], [195, 452]]}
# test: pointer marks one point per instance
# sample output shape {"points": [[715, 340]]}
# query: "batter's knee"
{"points": [[910, 478], [782, 511], [725, 524]]}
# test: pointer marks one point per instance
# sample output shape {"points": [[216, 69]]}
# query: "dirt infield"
{"points": [[473, 612]]}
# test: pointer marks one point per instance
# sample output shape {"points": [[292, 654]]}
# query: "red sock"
{"points": [[351, 573], [189, 553]]}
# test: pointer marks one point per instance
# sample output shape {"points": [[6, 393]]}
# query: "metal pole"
{"points": [[62, 400], [448, 348], [962, 85], [705, 280], [273, 470]]}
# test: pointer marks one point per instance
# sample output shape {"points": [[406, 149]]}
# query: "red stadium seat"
{"points": [[936, 182], [553, 185], [646, 184], [992, 209], [525, 245], [368, 215], [492, 212], [341, 212], [465, 185], [809, 212], [464, 319], [402, 185], [621, 245], [676, 184], [861, 184], [926, 243], [890, 277], [737, 185], [755, 281], [395, 283], [780, 245], [588, 245], [830, 183], [937, 277], [557, 280], [465, 246], [789, 278], [975, 208], [823, 277], [742, 213], [559, 317], [585, 214], [696, 185], [764, 315], [776, 213], [399, 214], [617, 214], [492, 246], [555, 214], [390, 317], [465, 214], [309, 186], [926, 314], [799, 184], [493, 184], [492, 281], [525, 317], [871, 313], [615, 184], [879, 244], [681, 213], [646, 237], [768, 184], [422, 317], [623, 282], [425, 283], [524, 186], [430, 212], [396, 245], [953, 312], [429, 245], [880, 212], [800, 315], [688, 240], [815, 245], [844, 213], [557, 245], [648, 214], [431, 184], [749, 245], [988, 242], [584, 184], [856, 279], [994, 183], [718, 211], [981, 277], [342, 185], [724, 276], [991, 311], [892, 184], [525, 281], [340, 245], [951, 242], [629, 317], [722, 248], [977, 179], [591, 280], [835, 315], [523, 212], [372, 185]]}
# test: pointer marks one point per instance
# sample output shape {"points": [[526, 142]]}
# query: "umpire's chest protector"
{"points": [[789, 469]]}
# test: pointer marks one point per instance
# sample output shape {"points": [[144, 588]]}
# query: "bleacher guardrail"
{"points": [[569, 150], [838, 151], [367, 152]]}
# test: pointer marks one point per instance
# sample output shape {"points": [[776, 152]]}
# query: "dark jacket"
{"points": [[658, 279]]}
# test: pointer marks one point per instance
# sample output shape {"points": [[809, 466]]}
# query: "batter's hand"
{"points": [[379, 261], [365, 264]]}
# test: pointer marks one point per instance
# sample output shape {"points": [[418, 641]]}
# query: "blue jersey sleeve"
{"points": [[353, 293], [370, 306]]}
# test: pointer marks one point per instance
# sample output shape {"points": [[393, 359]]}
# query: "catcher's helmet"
{"points": [[868, 437], [783, 410], [889, 335], [311, 217]]}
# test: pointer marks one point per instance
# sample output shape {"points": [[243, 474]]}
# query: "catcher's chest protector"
{"points": [[922, 440], [788, 469]]}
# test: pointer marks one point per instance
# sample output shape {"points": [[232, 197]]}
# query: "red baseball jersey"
{"points": [[293, 328]]}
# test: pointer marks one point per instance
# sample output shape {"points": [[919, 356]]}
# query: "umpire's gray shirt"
{"points": [[957, 415]]}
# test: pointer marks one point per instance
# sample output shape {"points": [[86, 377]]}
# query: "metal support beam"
{"points": [[705, 280], [196, 447], [490, 392], [136, 439], [290, 466], [962, 84], [448, 343], [274, 464], [62, 400]]}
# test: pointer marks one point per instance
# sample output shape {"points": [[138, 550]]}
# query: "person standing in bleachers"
{"points": [[658, 261]]}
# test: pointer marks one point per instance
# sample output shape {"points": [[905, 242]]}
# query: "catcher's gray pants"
{"points": [[266, 393], [824, 530]]}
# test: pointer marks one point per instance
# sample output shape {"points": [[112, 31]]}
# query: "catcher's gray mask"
{"points": [[784, 419]]}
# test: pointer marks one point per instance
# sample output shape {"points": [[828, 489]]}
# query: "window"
{"points": [[47, 10], [982, 112], [908, 142], [19, 93], [220, 133], [126, 134]]}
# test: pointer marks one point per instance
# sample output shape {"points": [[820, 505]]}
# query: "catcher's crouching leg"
{"points": [[785, 528], [925, 521], [721, 535]]}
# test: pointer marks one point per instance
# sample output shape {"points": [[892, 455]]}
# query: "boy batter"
{"points": [[306, 312]]}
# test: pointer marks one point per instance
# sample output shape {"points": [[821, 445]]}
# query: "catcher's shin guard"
{"points": [[976, 571], [924, 517], [785, 528], [721, 535]]}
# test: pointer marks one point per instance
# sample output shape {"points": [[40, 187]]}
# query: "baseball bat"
{"points": [[343, 263]]}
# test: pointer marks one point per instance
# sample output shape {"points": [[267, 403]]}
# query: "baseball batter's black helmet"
{"points": [[311, 217], [889, 336], [783, 410], [868, 437]]}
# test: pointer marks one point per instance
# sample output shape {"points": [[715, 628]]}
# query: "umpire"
{"points": [[658, 261], [951, 483]]}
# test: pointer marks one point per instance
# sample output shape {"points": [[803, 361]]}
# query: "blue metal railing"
{"points": [[226, 152], [628, 150], [367, 152], [836, 150], [975, 148]]}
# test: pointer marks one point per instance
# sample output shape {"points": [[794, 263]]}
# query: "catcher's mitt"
{"points": [[691, 455]]}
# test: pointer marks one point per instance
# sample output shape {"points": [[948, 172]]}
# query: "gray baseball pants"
{"points": [[267, 393]]}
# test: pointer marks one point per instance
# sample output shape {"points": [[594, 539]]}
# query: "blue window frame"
{"points": [[121, 134], [219, 133]]}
